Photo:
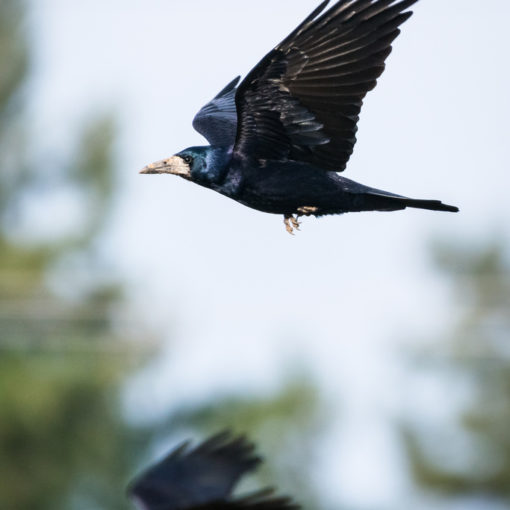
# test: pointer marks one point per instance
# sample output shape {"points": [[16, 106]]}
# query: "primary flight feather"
{"points": [[279, 138]]}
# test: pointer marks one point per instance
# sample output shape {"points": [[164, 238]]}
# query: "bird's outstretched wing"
{"points": [[302, 101], [217, 120], [193, 478]]}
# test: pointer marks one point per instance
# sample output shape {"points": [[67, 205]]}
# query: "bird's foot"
{"points": [[295, 222], [307, 211], [291, 223]]}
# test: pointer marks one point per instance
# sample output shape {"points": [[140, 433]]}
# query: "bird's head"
{"points": [[184, 164], [197, 164]]}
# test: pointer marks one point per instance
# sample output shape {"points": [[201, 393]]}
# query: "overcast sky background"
{"points": [[242, 299]]}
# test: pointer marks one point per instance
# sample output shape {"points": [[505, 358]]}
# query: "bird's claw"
{"points": [[291, 224], [288, 225]]}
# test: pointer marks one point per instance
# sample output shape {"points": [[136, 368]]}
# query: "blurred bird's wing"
{"points": [[194, 478], [264, 500], [217, 120], [302, 101]]}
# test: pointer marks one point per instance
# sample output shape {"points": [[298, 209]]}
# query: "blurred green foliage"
{"points": [[471, 456], [64, 440]]}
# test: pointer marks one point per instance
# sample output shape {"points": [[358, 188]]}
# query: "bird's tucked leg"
{"points": [[307, 211], [291, 223]]}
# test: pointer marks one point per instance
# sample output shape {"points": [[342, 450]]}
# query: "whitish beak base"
{"points": [[174, 165]]}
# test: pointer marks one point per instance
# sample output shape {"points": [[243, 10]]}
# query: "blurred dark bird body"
{"points": [[280, 137], [203, 478]]}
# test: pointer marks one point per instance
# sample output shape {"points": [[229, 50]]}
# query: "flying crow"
{"points": [[279, 138]]}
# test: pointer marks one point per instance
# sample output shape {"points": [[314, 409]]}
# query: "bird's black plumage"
{"points": [[279, 138], [203, 478], [217, 120]]}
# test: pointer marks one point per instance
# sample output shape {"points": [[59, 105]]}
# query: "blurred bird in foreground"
{"points": [[203, 478], [280, 137]]}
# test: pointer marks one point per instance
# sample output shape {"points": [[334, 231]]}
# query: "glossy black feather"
{"points": [[323, 70], [217, 120]]}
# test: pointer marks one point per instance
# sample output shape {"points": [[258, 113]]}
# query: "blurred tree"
{"points": [[471, 456], [64, 443], [286, 426], [63, 440]]}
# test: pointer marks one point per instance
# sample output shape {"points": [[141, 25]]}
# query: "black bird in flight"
{"points": [[203, 478], [279, 139]]}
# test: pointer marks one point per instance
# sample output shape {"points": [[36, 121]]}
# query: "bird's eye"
{"points": [[187, 159]]}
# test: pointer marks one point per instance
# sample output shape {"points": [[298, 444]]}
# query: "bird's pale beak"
{"points": [[174, 165]]}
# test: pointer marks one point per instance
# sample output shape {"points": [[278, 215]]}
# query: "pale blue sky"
{"points": [[231, 283]]}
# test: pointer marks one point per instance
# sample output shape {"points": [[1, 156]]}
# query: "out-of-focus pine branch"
{"points": [[472, 455]]}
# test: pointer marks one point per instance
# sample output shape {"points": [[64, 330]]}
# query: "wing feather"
{"points": [[302, 101], [189, 478], [217, 120]]}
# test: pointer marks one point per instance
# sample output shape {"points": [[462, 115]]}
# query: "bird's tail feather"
{"points": [[402, 202], [432, 205]]}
